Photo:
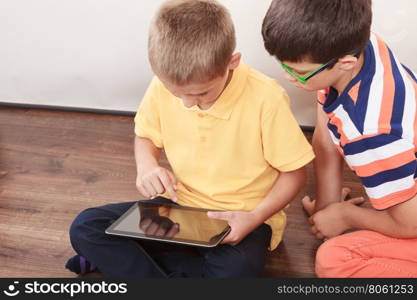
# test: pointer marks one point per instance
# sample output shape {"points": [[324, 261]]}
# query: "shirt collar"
{"points": [[223, 107]]}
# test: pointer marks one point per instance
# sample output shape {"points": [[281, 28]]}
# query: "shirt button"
{"points": [[202, 138], [201, 115]]}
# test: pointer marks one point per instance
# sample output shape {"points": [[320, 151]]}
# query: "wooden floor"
{"points": [[55, 164]]}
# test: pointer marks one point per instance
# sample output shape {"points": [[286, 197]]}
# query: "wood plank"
{"points": [[55, 164]]}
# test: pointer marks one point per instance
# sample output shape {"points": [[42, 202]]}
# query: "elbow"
{"points": [[403, 218], [327, 151], [410, 231], [405, 230], [406, 233]]}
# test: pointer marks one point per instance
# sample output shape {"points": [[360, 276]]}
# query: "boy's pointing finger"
{"points": [[168, 186]]}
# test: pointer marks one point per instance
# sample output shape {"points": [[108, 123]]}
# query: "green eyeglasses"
{"points": [[303, 79]]}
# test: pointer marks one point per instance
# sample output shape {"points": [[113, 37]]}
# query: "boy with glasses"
{"points": [[367, 115]]}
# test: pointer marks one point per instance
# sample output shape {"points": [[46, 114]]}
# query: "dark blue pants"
{"points": [[123, 257]]}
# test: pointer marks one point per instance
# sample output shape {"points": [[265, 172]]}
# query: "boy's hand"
{"points": [[241, 223], [330, 221], [154, 181]]}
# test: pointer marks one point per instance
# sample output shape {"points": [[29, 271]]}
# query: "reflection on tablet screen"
{"points": [[171, 222]]}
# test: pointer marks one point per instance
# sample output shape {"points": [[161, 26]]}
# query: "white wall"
{"points": [[92, 53]]}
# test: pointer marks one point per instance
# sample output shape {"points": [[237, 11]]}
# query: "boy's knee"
{"points": [[83, 225], [91, 224], [332, 258]]}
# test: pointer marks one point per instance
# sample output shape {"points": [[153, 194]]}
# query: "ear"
{"points": [[234, 61], [347, 62]]}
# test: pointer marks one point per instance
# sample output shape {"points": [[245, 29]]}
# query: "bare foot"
{"points": [[345, 194], [308, 205]]}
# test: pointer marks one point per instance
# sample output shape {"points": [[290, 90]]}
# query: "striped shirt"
{"points": [[374, 126]]}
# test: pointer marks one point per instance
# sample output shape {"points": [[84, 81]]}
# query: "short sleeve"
{"points": [[386, 165], [285, 146], [147, 119]]}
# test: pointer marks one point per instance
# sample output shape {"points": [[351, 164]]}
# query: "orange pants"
{"points": [[367, 254]]}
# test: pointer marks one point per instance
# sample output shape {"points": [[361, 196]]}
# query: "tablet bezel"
{"points": [[112, 231]]}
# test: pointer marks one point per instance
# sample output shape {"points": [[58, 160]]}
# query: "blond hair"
{"points": [[191, 40]]}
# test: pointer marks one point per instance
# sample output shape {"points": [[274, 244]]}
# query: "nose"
{"points": [[189, 102]]}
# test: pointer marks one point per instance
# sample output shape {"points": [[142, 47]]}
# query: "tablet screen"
{"points": [[170, 223]]}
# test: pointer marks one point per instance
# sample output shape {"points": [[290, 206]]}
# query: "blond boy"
{"points": [[232, 143]]}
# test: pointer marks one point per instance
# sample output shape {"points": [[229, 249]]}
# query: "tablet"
{"points": [[167, 222]]}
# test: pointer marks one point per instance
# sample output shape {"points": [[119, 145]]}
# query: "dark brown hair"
{"points": [[316, 30]]}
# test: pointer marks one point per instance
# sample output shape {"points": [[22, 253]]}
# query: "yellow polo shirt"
{"points": [[229, 156]]}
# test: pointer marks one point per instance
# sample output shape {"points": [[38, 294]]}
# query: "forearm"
{"points": [[285, 188], [146, 153], [328, 168], [152, 179], [328, 165], [381, 221]]}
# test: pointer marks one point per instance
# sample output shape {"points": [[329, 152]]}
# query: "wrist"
{"points": [[147, 166], [347, 213], [257, 217], [325, 199]]}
